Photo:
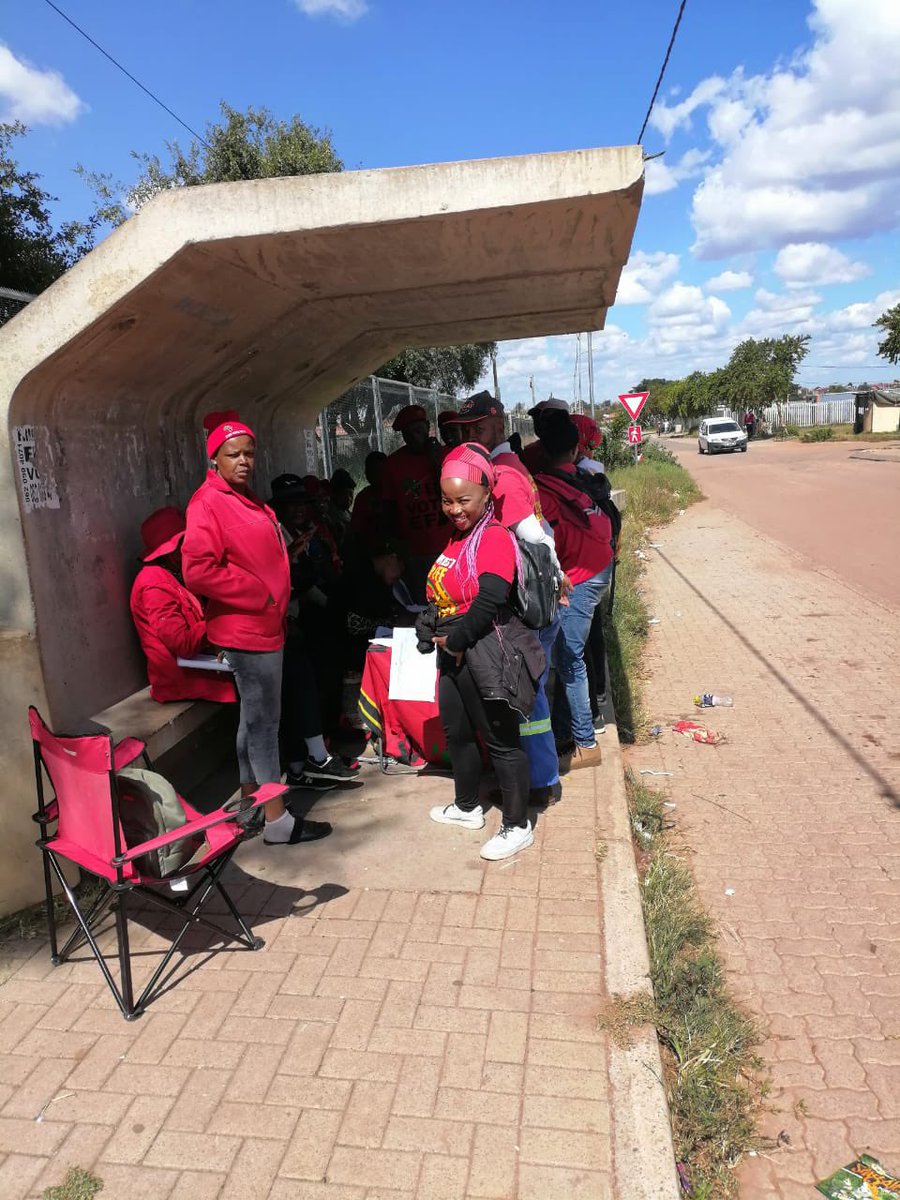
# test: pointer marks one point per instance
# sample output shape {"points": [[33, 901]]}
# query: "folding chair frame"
{"points": [[187, 908]]}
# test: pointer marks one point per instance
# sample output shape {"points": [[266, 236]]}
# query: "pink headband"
{"points": [[223, 433], [471, 462]]}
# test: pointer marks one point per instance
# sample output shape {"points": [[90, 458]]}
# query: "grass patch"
{"points": [[818, 433], [712, 1073], [77, 1185], [657, 489]]}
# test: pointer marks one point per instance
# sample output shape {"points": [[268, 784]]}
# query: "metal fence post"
{"points": [[379, 414], [326, 442]]}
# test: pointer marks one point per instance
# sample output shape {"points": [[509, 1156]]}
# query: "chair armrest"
{"points": [[127, 751], [51, 812], [263, 794]]}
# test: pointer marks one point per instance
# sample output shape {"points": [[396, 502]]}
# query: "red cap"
{"points": [[224, 433], [408, 416], [162, 532], [589, 435]]}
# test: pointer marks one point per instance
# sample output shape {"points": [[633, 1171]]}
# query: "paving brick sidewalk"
{"points": [[794, 814], [419, 1024]]}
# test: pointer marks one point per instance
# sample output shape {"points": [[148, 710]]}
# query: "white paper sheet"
{"points": [[413, 675], [204, 662]]}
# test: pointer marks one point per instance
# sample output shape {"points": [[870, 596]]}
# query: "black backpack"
{"points": [[535, 595]]}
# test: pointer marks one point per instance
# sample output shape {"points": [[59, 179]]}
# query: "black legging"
{"points": [[463, 715]]}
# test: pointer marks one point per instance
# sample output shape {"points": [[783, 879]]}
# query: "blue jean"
{"points": [[536, 733], [575, 625]]}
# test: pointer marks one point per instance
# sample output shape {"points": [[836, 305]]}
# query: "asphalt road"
{"points": [[838, 511]]}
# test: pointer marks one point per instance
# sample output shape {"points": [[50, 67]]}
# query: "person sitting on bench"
{"points": [[169, 619]]}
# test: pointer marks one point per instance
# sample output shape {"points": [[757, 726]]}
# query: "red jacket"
{"points": [[583, 533], [170, 624], [234, 554]]}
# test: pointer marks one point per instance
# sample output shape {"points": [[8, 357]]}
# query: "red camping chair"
{"points": [[85, 811]]}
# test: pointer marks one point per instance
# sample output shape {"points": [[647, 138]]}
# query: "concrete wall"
{"points": [[270, 297], [882, 418]]}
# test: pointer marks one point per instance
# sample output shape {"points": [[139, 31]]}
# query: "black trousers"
{"points": [[463, 715], [595, 656], [300, 713]]}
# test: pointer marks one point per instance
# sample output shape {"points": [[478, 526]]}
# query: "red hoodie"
{"points": [[170, 624], [234, 554]]}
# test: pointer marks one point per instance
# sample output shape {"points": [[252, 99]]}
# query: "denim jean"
{"points": [[575, 625]]}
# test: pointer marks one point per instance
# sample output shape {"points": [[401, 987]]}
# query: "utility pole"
{"points": [[590, 354], [496, 379], [577, 388]]}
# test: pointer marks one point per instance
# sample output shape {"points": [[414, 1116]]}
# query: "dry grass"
{"points": [[713, 1079]]}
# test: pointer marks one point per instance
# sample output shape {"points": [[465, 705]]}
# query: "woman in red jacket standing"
{"points": [[234, 555]]}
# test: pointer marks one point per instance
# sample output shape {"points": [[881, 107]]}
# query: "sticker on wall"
{"points": [[36, 492], [312, 458]]}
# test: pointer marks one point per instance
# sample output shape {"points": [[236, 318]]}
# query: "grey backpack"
{"points": [[149, 806]]}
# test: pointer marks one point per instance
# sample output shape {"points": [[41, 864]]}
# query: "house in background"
{"points": [[877, 412]]}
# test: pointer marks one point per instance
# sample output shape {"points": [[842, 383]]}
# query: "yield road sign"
{"points": [[633, 402], [634, 435]]}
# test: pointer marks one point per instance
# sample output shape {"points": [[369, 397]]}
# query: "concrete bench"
{"points": [[185, 739]]}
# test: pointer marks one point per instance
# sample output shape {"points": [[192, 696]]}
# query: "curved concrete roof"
{"points": [[302, 285]]}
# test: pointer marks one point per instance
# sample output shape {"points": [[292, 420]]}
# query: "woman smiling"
{"points": [[489, 662]]}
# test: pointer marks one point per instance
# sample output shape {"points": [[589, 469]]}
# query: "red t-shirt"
{"points": [[514, 496], [509, 462], [583, 543], [410, 481], [450, 590]]}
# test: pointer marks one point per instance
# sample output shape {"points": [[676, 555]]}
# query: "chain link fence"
{"points": [[360, 421]]}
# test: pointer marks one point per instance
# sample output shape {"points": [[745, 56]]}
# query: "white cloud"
{"points": [[668, 118], [810, 151], [729, 281], [813, 263], [644, 275], [659, 177], [34, 96], [344, 10]]}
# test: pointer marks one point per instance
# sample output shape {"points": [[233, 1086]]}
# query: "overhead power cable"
{"points": [[662, 69], [137, 82]]}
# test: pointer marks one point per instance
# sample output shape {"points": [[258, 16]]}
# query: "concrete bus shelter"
{"points": [[271, 297]]}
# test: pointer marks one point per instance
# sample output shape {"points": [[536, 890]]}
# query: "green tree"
{"points": [[243, 145], [889, 322], [761, 372], [450, 369], [32, 252]]}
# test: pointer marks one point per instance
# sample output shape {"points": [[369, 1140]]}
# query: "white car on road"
{"points": [[718, 433]]}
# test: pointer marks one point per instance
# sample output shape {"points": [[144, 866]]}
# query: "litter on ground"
{"points": [[699, 733], [864, 1179]]}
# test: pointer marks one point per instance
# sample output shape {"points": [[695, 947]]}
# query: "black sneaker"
{"points": [[302, 780], [333, 770], [599, 724]]}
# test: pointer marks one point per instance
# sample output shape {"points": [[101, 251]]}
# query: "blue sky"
{"points": [[775, 208]]}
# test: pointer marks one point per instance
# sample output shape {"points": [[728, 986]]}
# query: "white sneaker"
{"points": [[451, 815], [507, 841]]}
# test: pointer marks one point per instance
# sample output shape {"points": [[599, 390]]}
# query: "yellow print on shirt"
{"points": [[446, 606]]}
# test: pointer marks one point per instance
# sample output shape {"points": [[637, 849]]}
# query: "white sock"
{"points": [[280, 829], [315, 748]]}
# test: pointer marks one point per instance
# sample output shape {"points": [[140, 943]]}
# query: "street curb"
{"points": [[643, 1152]]}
